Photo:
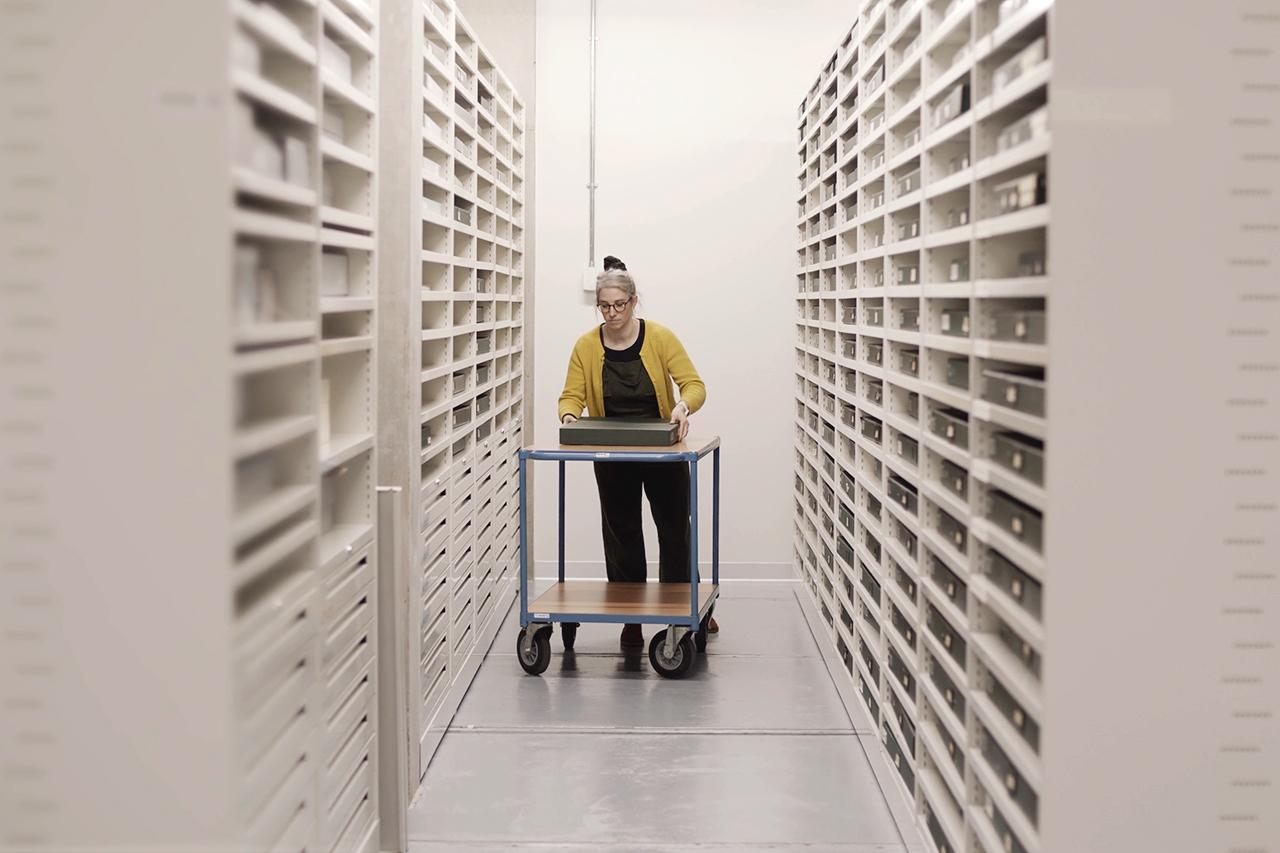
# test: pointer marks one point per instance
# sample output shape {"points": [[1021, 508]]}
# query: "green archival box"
{"points": [[620, 432]]}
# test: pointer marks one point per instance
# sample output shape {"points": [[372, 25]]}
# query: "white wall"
{"points": [[696, 167]]}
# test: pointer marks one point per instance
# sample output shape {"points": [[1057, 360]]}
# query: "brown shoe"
{"points": [[632, 637], [712, 627]]}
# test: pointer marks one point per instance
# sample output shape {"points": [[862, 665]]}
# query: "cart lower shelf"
{"points": [[639, 602]]}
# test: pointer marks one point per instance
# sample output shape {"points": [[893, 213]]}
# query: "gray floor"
{"points": [[753, 750]]}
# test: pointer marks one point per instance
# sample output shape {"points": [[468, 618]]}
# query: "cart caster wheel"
{"points": [[537, 658], [677, 666], [568, 634]]}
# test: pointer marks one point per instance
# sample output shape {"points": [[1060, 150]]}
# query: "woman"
{"points": [[625, 367]]}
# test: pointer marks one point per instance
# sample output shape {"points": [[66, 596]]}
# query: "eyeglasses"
{"points": [[614, 307]]}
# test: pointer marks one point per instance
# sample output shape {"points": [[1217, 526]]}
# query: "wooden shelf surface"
{"points": [[621, 599]]}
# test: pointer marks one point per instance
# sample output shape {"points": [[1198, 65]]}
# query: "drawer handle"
{"points": [[1015, 524], [951, 431], [1015, 588], [1010, 782], [1011, 394]]}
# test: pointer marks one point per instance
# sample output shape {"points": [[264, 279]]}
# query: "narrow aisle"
{"points": [[754, 750]]}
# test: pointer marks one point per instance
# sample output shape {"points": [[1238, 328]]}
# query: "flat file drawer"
{"points": [[903, 493], [951, 424], [1008, 841], [353, 626], [867, 696], [259, 729], [901, 673], [1023, 522], [897, 757], [346, 756], [359, 827], [1020, 454], [1015, 583], [1021, 389], [353, 796], [947, 635], [349, 669], [954, 478], [278, 816], [949, 582], [958, 372], [1014, 784], [905, 725], [908, 448], [259, 670], [344, 586], [902, 625], [953, 531], [280, 755], [870, 660]]}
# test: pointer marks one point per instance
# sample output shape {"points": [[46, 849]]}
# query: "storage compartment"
{"points": [[1021, 193], [1023, 522], [1020, 454], [952, 530], [909, 360], [1017, 387], [1014, 784], [958, 372], [1031, 126], [954, 321], [907, 448], [872, 428], [951, 694], [951, 424], [954, 478], [1015, 583], [903, 493], [950, 639], [1024, 325], [955, 589]]}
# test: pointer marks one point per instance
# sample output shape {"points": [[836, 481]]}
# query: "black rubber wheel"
{"points": [[538, 658], [568, 634], [677, 666]]}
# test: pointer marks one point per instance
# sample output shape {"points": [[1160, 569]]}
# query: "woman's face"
{"points": [[610, 298]]}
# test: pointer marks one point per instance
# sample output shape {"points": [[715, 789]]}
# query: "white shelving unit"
{"points": [[920, 382], [457, 423], [304, 149]]}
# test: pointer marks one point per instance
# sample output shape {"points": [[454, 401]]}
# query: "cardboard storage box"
{"points": [[619, 432], [1022, 389]]}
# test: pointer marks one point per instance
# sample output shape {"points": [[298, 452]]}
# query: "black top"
{"points": [[628, 390]]}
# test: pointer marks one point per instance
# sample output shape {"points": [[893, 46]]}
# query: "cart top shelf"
{"points": [[621, 599], [693, 447]]}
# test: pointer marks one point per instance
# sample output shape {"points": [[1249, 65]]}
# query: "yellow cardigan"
{"points": [[663, 356]]}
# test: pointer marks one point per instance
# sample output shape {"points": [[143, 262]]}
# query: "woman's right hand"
{"points": [[568, 419]]}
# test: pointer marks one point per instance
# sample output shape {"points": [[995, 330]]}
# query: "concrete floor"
{"points": [[755, 750]]}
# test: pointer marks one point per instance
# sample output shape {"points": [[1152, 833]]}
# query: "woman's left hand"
{"points": [[680, 415]]}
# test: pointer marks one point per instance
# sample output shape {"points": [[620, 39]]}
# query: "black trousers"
{"points": [[667, 485]]}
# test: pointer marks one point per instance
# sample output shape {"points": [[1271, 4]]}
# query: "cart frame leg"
{"points": [[715, 517], [693, 542], [560, 557], [524, 545]]}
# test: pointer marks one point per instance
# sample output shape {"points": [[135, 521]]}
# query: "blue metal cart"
{"points": [[683, 608]]}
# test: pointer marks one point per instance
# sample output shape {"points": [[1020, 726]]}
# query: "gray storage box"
{"points": [[909, 361], [908, 449], [1025, 523], [910, 319], [875, 315], [1022, 389], [1029, 657], [946, 635], [902, 625], [913, 404], [1021, 193], [951, 424], [875, 391], [903, 493], [955, 479], [958, 372], [1016, 583], [907, 539], [1023, 326], [904, 582], [909, 274], [1021, 454], [1013, 711], [953, 531], [1031, 263], [955, 321], [1014, 785], [619, 432], [949, 582], [1003, 830], [875, 352], [905, 725], [947, 687], [901, 672]]}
